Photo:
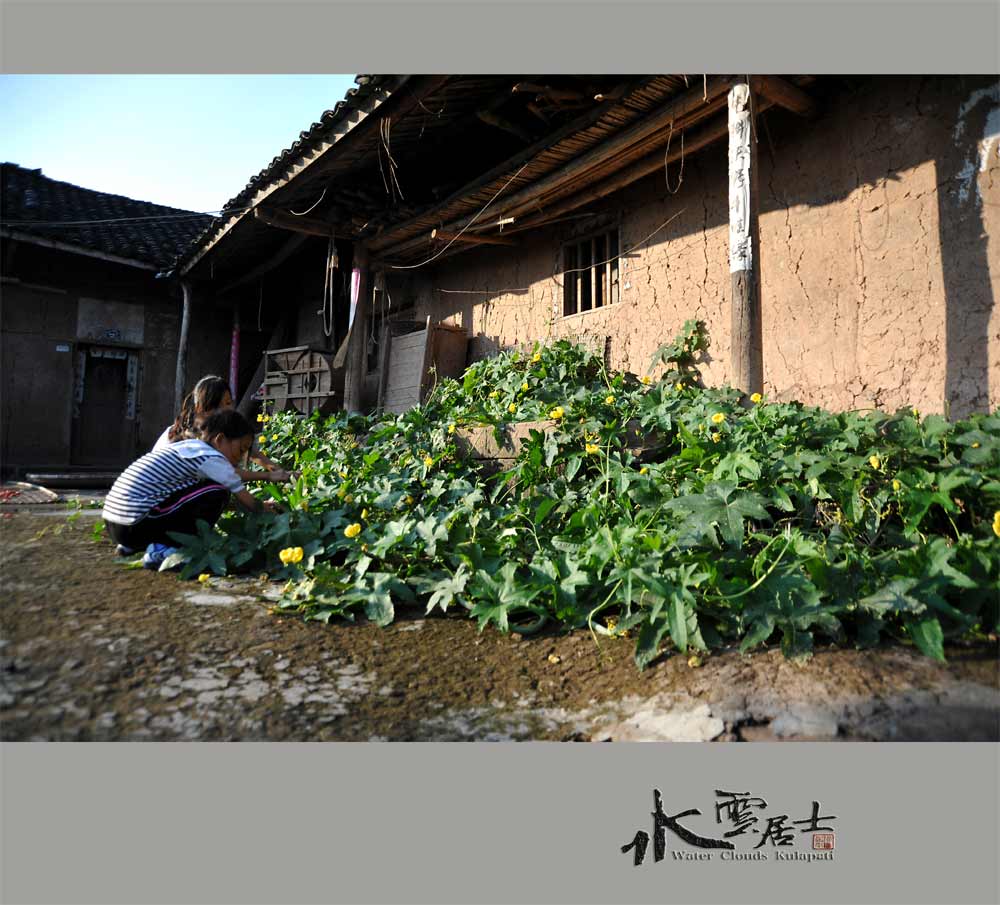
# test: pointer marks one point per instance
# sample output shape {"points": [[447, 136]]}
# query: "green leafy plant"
{"points": [[688, 516]]}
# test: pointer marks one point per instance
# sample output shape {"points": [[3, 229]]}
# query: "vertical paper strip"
{"points": [[740, 251]]}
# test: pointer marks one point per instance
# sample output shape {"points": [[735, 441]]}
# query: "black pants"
{"points": [[178, 512]]}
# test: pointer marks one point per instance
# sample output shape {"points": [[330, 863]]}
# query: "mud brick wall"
{"points": [[880, 248], [47, 295]]}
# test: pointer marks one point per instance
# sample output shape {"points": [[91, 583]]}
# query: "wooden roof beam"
{"points": [[584, 121], [283, 254], [685, 110], [471, 239], [293, 222], [784, 94]]}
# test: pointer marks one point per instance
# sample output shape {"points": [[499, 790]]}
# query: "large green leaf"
{"points": [[720, 508], [927, 635]]}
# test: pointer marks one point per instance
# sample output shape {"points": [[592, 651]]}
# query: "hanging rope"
{"points": [[666, 156], [328, 287]]}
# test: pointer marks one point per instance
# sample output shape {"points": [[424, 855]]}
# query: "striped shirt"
{"points": [[163, 441], [152, 478]]}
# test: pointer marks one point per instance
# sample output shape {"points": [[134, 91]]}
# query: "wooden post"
{"points": [[234, 353], [182, 343], [383, 370], [744, 244], [358, 339]]}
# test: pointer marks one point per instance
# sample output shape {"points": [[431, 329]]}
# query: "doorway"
{"points": [[104, 406]]}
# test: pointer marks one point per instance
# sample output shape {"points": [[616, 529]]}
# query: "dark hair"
{"points": [[229, 422], [206, 396]]}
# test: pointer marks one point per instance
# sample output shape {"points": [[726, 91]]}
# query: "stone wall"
{"points": [[879, 228]]}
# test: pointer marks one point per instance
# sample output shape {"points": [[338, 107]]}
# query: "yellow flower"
{"points": [[554, 658], [525, 387], [916, 412], [512, 408], [537, 357], [557, 413], [611, 623], [428, 461], [343, 474], [494, 394], [352, 530], [364, 513], [716, 438], [451, 428], [409, 501], [267, 418], [875, 462], [647, 380], [643, 470], [204, 577], [896, 485], [349, 498], [975, 445], [996, 523], [678, 386], [609, 400], [694, 662], [592, 448], [718, 418], [755, 398], [260, 419], [290, 555]]}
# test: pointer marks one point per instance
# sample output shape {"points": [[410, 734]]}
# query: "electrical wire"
{"points": [[464, 228], [307, 210], [555, 276], [158, 217]]}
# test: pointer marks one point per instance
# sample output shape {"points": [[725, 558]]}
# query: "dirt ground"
{"points": [[93, 651]]}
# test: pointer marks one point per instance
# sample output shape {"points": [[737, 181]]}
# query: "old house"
{"points": [[90, 335], [840, 236]]}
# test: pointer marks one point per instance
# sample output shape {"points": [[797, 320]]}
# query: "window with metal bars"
{"points": [[590, 273]]}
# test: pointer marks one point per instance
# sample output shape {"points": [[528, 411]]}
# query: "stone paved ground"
{"points": [[93, 651]]}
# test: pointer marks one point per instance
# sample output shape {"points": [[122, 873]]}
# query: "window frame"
{"points": [[580, 289]]}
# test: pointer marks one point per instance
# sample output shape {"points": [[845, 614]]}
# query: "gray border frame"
{"points": [[477, 36], [486, 823]]}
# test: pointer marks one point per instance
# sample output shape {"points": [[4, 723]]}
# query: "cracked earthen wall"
{"points": [[880, 255]]}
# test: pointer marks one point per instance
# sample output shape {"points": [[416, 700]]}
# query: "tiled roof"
{"points": [[309, 139], [140, 231]]}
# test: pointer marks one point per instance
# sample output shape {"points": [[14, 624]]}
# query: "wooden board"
{"points": [[405, 372], [416, 360]]}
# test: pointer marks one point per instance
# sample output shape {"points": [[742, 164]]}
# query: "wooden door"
{"points": [[102, 432]]}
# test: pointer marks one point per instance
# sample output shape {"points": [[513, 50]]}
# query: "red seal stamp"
{"points": [[823, 842]]}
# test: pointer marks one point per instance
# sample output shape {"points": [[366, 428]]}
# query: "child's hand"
{"points": [[273, 506], [279, 476]]}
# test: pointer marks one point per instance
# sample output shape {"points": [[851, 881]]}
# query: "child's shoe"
{"points": [[122, 550], [155, 554]]}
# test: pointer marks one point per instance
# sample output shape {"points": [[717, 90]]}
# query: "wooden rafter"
{"points": [[296, 224], [694, 105], [784, 94], [470, 238], [380, 244]]}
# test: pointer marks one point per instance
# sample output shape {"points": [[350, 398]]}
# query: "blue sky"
{"points": [[190, 141]]}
